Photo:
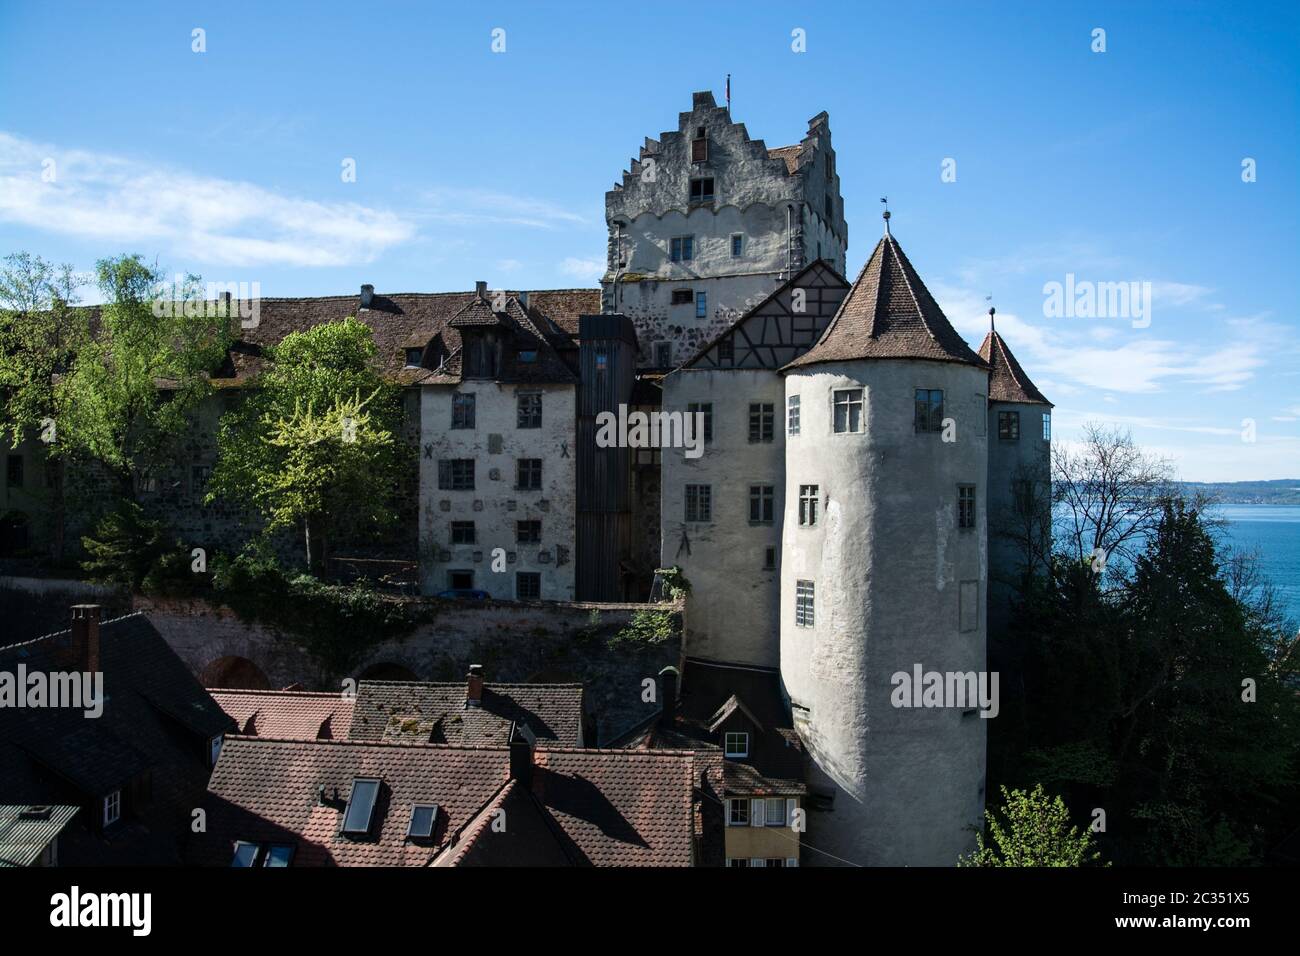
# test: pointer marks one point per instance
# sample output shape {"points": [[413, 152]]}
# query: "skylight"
{"points": [[423, 818], [361, 805], [245, 854]]}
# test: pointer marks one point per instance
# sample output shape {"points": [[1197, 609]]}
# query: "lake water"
{"points": [[1275, 531]]}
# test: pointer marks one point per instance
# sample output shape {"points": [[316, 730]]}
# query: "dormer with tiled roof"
{"points": [[1008, 382], [889, 314]]}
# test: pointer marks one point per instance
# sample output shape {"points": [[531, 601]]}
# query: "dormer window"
{"points": [[528, 356], [214, 750], [482, 354], [735, 744], [423, 818], [702, 190], [413, 357], [700, 146], [111, 808], [361, 806]]}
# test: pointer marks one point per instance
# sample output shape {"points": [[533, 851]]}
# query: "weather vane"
{"points": [[989, 299], [885, 200]]}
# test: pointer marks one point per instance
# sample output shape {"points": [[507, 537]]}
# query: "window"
{"points": [[702, 190], [1009, 426], [830, 167], [807, 506], [792, 414], [683, 296], [848, 410], [929, 410], [460, 580], [528, 586], [663, 354], [462, 410], [528, 532], [112, 808], [737, 244], [762, 416], [727, 350], [413, 357], [462, 532], [699, 503], [528, 356], [775, 816], [245, 854], [735, 744], [738, 812], [769, 559], [214, 750], [735, 861], [14, 471], [761, 498], [803, 604], [530, 410], [965, 506], [705, 409], [423, 817], [480, 350], [700, 146], [456, 474], [681, 248], [277, 855], [361, 805], [701, 305], [1047, 426], [829, 213], [529, 474]]}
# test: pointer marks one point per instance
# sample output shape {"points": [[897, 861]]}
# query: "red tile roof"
{"points": [[1007, 380], [287, 715], [889, 313]]}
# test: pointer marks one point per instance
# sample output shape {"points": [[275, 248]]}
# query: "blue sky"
{"points": [[1122, 166]]}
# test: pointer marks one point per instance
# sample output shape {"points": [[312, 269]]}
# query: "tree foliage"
{"points": [[315, 444], [1031, 829]]}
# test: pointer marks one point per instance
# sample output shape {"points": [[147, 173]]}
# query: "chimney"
{"points": [[521, 754], [85, 636], [474, 686], [480, 289], [523, 298], [367, 295], [668, 691]]}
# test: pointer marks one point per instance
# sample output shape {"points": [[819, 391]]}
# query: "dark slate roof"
{"points": [[582, 807], [156, 717], [525, 331], [889, 314], [423, 712], [1007, 380], [287, 714], [25, 831], [401, 321]]}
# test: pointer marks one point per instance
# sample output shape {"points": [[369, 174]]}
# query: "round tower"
{"points": [[884, 574]]}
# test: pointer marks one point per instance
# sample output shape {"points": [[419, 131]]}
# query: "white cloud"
{"points": [[588, 270], [197, 218], [467, 207]]}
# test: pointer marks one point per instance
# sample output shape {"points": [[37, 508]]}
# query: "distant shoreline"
{"points": [[1280, 491]]}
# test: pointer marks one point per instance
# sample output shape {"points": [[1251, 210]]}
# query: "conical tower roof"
{"points": [[889, 314], [1007, 380]]}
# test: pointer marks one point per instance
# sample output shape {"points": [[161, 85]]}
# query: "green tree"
{"points": [[42, 331], [130, 393], [315, 444], [1031, 829]]}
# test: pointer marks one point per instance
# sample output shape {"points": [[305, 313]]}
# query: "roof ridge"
{"points": [[68, 630], [332, 695], [904, 266]]}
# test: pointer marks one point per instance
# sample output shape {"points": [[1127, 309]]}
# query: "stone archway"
{"points": [[233, 672], [388, 670]]}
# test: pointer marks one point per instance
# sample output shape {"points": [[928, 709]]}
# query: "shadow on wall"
{"points": [[232, 672]]}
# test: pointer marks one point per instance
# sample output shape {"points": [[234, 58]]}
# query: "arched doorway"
{"points": [[234, 673]]}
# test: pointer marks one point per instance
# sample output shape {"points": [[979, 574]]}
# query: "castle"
{"points": [[852, 517]]}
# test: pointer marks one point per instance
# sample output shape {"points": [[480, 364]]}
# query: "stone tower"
{"points": [[1020, 482], [884, 569], [708, 222]]}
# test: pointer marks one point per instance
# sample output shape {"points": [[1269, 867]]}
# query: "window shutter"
{"points": [[444, 474], [757, 812], [791, 804]]}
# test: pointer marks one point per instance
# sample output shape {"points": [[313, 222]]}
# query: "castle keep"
{"points": [[871, 492]]}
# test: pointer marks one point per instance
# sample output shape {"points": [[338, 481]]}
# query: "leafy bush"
{"points": [[648, 628], [125, 546], [674, 581], [1034, 830]]}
